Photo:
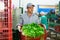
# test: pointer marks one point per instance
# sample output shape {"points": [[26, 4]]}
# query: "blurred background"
{"points": [[11, 10]]}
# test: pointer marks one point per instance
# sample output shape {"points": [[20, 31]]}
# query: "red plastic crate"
{"points": [[43, 37], [57, 28], [6, 21], [30, 38]]}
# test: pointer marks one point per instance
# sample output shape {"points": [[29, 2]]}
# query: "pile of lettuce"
{"points": [[32, 30]]}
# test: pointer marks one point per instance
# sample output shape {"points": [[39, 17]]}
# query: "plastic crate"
{"points": [[42, 37], [45, 35], [6, 22], [30, 38], [57, 28]]}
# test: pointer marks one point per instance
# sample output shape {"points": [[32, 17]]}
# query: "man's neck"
{"points": [[29, 14]]}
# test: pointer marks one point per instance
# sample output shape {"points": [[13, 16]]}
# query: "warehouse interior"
{"points": [[11, 11]]}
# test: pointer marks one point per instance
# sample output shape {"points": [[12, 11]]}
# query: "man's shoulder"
{"points": [[23, 14], [35, 15]]}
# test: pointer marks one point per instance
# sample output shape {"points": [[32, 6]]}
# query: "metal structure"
{"points": [[6, 21], [59, 7]]}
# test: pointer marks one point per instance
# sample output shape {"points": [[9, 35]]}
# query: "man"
{"points": [[28, 17]]}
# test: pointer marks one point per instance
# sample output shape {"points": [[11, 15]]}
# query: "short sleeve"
{"points": [[21, 20]]}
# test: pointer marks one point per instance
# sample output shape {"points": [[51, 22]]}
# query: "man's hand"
{"points": [[19, 28]]}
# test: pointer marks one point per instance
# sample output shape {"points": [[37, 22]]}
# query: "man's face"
{"points": [[30, 9]]}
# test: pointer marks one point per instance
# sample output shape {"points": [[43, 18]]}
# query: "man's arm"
{"points": [[38, 21], [20, 23]]}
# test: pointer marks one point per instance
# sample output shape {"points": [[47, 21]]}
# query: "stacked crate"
{"points": [[6, 22]]}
